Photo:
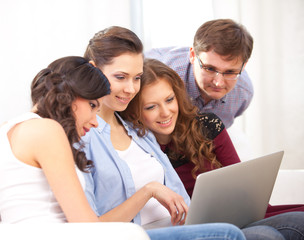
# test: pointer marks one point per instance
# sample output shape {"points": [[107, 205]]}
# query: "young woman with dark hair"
{"points": [[40, 178]]}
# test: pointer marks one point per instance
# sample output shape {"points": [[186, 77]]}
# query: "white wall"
{"points": [[34, 33], [274, 119], [173, 22]]}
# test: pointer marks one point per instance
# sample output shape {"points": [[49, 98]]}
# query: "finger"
{"points": [[173, 213], [185, 213], [181, 212]]}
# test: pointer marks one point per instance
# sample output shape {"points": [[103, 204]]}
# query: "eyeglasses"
{"points": [[211, 72]]}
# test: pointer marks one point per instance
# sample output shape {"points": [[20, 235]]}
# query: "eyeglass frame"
{"points": [[202, 66]]}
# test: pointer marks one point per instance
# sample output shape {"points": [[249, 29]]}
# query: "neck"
{"points": [[205, 97], [108, 115], [163, 139]]}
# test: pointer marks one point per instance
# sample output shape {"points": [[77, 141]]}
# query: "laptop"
{"points": [[238, 194]]}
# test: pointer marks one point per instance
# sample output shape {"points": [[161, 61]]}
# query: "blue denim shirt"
{"points": [[110, 182]]}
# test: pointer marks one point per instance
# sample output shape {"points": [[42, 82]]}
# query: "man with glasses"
{"points": [[213, 68]]}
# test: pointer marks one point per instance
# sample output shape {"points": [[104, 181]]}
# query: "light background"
{"points": [[33, 33]]}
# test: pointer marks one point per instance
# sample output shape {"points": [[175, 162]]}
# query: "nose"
{"points": [[219, 80], [164, 111], [130, 87], [94, 121]]}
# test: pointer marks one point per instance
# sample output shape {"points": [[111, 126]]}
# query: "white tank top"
{"points": [[144, 169], [25, 195]]}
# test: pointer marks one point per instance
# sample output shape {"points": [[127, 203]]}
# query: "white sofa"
{"points": [[288, 188], [74, 231]]}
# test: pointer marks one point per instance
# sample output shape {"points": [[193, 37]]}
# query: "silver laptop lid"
{"points": [[237, 194]]}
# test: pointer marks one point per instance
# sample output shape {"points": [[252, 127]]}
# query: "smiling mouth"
{"points": [[123, 100], [85, 130], [165, 123]]}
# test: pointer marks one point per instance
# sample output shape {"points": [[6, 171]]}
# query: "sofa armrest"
{"points": [[75, 231], [288, 188]]}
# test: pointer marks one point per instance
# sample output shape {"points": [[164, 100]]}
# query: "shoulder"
{"points": [[211, 124], [36, 137], [40, 131], [244, 83], [169, 55], [42, 126], [158, 51]]}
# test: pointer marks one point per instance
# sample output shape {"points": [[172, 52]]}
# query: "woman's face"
{"points": [[159, 109], [85, 114], [124, 74]]}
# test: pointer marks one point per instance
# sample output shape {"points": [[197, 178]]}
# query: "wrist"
{"points": [[150, 189]]}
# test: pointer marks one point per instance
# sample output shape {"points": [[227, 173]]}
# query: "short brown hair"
{"points": [[224, 36]]}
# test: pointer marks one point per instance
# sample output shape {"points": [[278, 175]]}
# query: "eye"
{"points": [[120, 77], [138, 78], [149, 107], [170, 99], [93, 105], [210, 69], [230, 73]]}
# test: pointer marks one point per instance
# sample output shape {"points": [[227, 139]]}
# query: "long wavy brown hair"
{"points": [[54, 89], [188, 137]]}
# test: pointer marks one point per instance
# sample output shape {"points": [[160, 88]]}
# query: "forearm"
{"points": [[126, 211]]}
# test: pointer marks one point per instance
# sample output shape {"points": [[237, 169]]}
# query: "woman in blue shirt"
{"points": [[132, 179]]}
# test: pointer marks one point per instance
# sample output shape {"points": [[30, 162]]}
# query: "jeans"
{"points": [[216, 231], [289, 226]]}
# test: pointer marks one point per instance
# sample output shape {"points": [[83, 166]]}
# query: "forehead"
{"points": [[129, 63], [219, 61], [157, 90]]}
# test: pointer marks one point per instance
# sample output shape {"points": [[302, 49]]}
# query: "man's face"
{"points": [[214, 85]]}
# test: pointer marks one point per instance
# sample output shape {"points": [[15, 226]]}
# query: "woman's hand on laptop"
{"points": [[172, 201]]}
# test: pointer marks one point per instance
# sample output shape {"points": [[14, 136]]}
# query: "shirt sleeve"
{"points": [[153, 53], [89, 192], [224, 149], [245, 93], [160, 54]]}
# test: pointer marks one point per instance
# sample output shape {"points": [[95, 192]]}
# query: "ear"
{"points": [[74, 106], [244, 66], [93, 63], [192, 55]]}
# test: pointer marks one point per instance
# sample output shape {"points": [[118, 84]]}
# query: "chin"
{"points": [[217, 96]]}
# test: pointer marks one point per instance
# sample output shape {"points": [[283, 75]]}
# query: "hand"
{"points": [[172, 201]]}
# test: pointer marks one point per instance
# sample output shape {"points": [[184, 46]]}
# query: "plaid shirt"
{"points": [[227, 108]]}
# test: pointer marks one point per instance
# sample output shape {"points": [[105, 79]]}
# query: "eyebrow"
{"points": [[98, 103], [121, 72], [231, 69]]}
